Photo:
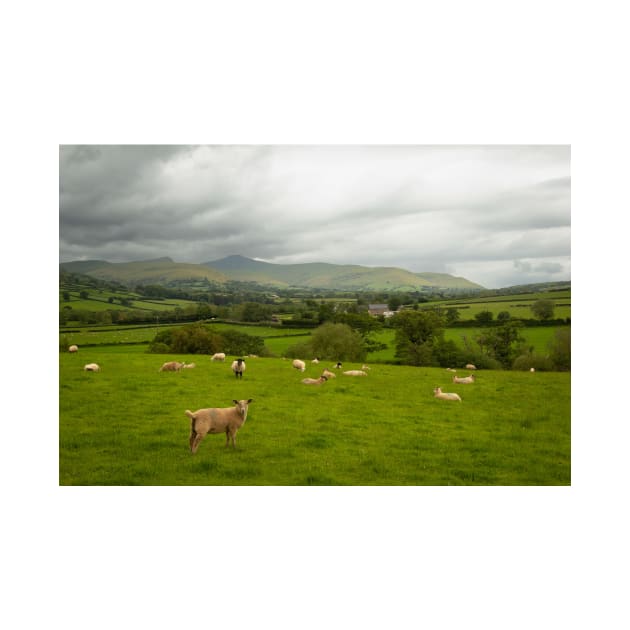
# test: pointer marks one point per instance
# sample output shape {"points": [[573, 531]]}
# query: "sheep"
{"points": [[217, 420], [329, 374], [450, 370], [238, 367], [355, 373], [338, 366], [218, 356], [299, 365], [464, 379], [73, 349], [438, 393], [188, 366], [315, 360], [92, 367], [469, 366], [532, 369], [365, 367], [315, 381], [171, 366]]}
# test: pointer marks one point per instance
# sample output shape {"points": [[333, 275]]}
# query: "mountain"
{"points": [[157, 271], [239, 268], [340, 277]]}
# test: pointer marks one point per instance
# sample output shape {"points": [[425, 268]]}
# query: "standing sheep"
{"points": [[218, 356], [470, 366], [238, 367], [217, 420], [299, 365]]}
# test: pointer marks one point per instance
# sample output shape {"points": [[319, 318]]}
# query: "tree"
{"points": [[452, 315], [484, 317], [66, 296], [503, 316], [84, 295], [337, 342], [504, 343], [417, 332], [543, 309], [560, 349]]}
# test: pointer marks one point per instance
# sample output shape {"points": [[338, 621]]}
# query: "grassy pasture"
{"points": [[126, 425]]}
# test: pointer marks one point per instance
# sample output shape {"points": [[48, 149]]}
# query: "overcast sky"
{"points": [[497, 215]]}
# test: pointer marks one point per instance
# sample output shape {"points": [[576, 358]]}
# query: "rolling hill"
{"points": [[239, 268]]}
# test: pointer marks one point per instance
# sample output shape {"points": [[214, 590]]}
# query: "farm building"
{"points": [[380, 309]]}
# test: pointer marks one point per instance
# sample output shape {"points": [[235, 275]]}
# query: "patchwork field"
{"points": [[126, 425]]}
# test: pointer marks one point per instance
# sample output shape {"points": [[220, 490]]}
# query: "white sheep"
{"points": [[469, 366], [355, 373], [450, 370], [464, 379], [329, 374], [238, 367], [171, 366], [92, 367], [438, 393], [365, 367], [217, 420], [315, 381], [531, 369], [338, 365], [315, 360], [73, 349], [299, 365], [188, 366], [218, 356]]}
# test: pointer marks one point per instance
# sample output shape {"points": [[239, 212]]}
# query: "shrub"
{"points": [[560, 350], [530, 360], [337, 342]]}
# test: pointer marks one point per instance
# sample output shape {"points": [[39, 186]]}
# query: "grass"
{"points": [[126, 426]]}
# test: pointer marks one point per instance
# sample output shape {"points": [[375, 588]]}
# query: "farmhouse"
{"points": [[380, 309]]}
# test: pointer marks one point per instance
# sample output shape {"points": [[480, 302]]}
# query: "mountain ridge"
{"points": [[316, 275]]}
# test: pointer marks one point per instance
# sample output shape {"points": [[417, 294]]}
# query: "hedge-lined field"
{"points": [[126, 425]]}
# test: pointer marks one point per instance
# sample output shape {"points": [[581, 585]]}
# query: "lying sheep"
{"points": [[92, 367], [217, 420], [315, 360], [73, 349], [238, 367], [338, 365], [218, 356], [355, 373], [438, 393], [464, 379], [171, 366], [188, 366], [315, 381], [329, 374], [469, 366], [532, 369], [299, 365]]}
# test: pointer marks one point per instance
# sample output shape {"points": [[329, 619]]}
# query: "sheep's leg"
{"points": [[194, 445]]}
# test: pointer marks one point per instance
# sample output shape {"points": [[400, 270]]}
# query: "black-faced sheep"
{"points": [[226, 420], [238, 367]]}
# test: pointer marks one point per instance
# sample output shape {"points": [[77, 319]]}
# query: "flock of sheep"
{"points": [[229, 420]]}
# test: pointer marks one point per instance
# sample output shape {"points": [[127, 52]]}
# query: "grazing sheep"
{"points": [[469, 366], [218, 356], [438, 393], [171, 366], [315, 381], [238, 367], [299, 365], [355, 373], [188, 366], [217, 420], [92, 367], [73, 349], [329, 374], [464, 379]]}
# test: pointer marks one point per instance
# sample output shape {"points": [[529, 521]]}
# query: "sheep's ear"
{"points": [[250, 400], [235, 402]]}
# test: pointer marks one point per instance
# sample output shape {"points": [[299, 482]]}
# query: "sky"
{"points": [[498, 215]]}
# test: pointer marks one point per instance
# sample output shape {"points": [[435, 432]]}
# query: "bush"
{"points": [[533, 360], [560, 350], [337, 342]]}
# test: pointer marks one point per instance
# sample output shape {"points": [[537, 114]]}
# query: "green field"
{"points": [[126, 425]]}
